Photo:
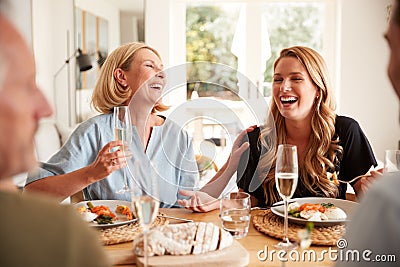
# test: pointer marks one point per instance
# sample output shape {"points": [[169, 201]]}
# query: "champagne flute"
{"points": [[145, 198], [286, 177], [123, 132]]}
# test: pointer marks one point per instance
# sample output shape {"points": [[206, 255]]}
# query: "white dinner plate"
{"points": [[112, 204], [345, 205]]}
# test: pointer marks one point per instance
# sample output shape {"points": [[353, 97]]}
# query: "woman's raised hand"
{"points": [[109, 160], [217, 184], [239, 147], [198, 201]]}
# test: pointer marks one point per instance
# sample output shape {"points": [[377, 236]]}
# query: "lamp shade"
{"points": [[84, 61]]}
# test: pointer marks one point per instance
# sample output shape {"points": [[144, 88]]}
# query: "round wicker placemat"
{"points": [[268, 223], [126, 233]]}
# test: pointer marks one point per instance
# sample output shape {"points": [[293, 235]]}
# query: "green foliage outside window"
{"points": [[209, 34], [292, 24], [210, 31]]}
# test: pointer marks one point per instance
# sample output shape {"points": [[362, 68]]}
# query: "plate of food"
{"points": [[106, 213], [320, 211]]}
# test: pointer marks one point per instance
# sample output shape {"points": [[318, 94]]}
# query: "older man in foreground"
{"points": [[34, 231]]}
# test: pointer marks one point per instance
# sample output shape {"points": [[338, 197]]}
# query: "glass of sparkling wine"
{"points": [[145, 198], [123, 132], [235, 213], [286, 177]]}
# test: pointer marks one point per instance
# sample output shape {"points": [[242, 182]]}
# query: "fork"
{"points": [[273, 205], [354, 179]]}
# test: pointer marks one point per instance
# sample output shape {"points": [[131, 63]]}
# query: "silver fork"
{"points": [[354, 179], [273, 205]]}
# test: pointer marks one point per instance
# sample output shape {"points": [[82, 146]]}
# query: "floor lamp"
{"points": [[84, 63]]}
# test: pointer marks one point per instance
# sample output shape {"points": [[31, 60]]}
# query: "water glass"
{"points": [[392, 160], [235, 213]]}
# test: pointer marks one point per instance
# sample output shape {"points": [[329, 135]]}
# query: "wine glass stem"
{"points": [[285, 229], [146, 249], [124, 172], [125, 179]]}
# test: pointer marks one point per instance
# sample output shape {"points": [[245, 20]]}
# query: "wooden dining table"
{"points": [[122, 254]]}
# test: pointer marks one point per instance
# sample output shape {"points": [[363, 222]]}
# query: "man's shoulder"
{"points": [[43, 225], [33, 203]]}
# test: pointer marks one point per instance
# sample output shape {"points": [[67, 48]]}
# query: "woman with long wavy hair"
{"points": [[332, 149]]}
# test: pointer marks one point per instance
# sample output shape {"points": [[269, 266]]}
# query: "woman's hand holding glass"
{"points": [[109, 160]]}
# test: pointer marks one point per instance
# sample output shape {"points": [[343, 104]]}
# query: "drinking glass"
{"points": [[392, 160], [235, 213], [145, 198], [286, 177], [123, 132]]}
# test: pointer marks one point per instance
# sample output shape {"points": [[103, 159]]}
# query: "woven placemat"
{"points": [[268, 223], [126, 233]]}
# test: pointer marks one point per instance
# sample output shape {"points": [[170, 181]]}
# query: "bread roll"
{"points": [[185, 239]]}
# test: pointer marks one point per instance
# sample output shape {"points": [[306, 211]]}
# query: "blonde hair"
{"points": [[108, 92], [323, 148]]}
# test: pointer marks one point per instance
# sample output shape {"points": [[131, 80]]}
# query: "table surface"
{"points": [[121, 254]]}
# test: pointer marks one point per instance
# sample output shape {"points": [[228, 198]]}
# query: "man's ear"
{"points": [[120, 76]]}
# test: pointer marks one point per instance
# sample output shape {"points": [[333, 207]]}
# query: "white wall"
{"points": [[366, 93], [132, 29], [50, 22]]}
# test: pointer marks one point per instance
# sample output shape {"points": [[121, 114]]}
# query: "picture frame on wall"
{"points": [[92, 38]]}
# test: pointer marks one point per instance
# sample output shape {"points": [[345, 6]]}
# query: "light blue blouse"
{"points": [[169, 147]]}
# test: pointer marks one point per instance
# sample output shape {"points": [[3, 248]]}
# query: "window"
{"points": [[248, 35], [210, 30]]}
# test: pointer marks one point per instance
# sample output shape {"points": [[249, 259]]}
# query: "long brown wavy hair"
{"points": [[323, 148], [108, 92]]}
